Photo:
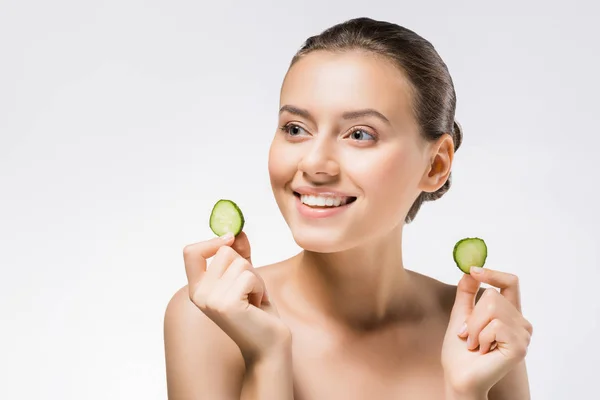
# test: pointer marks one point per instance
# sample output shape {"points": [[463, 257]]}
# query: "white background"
{"points": [[122, 122]]}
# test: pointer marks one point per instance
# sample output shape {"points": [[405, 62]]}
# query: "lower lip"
{"points": [[311, 212]]}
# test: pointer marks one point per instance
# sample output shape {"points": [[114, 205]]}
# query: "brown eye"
{"points": [[293, 130]]}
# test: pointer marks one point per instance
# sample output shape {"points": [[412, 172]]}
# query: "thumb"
{"points": [[242, 246], [464, 303]]}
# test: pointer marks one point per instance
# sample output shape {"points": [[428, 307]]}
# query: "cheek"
{"points": [[278, 165], [391, 179]]}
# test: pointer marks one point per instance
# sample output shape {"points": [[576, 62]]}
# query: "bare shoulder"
{"points": [[274, 272], [202, 362], [443, 293]]}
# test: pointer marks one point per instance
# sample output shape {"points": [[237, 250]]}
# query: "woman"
{"points": [[366, 135]]}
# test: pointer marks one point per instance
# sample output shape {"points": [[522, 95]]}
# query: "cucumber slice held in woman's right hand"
{"points": [[226, 217], [470, 252]]}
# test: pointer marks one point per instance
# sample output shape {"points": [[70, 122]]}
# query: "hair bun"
{"points": [[457, 135]]}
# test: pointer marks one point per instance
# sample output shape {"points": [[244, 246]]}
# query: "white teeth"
{"points": [[321, 201]]}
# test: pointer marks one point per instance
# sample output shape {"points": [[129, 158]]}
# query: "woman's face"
{"points": [[346, 134]]}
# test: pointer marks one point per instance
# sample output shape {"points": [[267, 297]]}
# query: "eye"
{"points": [[361, 135], [293, 130]]}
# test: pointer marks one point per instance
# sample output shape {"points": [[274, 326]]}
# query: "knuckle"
{"points": [[240, 263], [484, 335], [198, 297], [188, 250], [251, 279], [495, 324], [513, 279], [213, 303], [529, 327], [521, 352], [247, 275], [192, 293], [237, 266], [246, 264], [223, 251], [492, 307]]}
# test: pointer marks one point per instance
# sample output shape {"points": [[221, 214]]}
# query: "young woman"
{"points": [[366, 135]]}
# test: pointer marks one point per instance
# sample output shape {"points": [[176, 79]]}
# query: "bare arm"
{"points": [[514, 386], [202, 362], [270, 379]]}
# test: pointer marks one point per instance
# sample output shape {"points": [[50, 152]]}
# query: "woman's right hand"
{"points": [[232, 294]]}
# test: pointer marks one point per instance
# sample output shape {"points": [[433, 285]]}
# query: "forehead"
{"points": [[326, 82]]}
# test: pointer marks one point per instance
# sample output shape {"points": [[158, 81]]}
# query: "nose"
{"points": [[319, 160]]}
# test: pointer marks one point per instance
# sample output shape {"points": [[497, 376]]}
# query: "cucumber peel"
{"points": [[226, 217], [469, 252]]}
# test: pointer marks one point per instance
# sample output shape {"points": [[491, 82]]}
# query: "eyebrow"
{"points": [[348, 115]]}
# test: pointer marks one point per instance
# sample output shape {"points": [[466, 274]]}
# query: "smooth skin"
{"points": [[344, 318]]}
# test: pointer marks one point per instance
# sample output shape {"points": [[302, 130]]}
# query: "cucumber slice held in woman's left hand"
{"points": [[470, 252], [226, 217]]}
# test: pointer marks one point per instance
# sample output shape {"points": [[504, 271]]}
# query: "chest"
{"points": [[388, 365]]}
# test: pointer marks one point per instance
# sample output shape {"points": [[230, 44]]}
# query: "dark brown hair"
{"points": [[434, 99]]}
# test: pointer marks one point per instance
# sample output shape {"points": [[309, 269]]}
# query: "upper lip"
{"points": [[320, 191]]}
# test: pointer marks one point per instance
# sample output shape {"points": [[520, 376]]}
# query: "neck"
{"points": [[363, 288]]}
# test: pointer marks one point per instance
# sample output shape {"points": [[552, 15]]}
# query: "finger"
{"points": [[241, 244], [248, 287], [464, 302], [507, 283], [487, 337], [219, 264], [223, 284], [235, 269], [195, 256], [512, 341], [492, 305], [229, 277]]}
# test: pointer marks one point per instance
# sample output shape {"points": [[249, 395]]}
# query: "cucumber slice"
{"points": [[226, 217], [469, 252]]}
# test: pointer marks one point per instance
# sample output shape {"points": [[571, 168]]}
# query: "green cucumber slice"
{"points": [[469, 252], [226, 217]]}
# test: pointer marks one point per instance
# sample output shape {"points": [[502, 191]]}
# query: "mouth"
{"points": [[320, 202]]}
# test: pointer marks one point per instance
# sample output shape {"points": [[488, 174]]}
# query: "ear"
{"points": [[439, 166]]}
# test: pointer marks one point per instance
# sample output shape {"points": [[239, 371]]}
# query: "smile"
{"points": [[319, 206]]}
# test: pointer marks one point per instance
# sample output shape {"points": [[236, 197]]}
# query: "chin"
{"points": [[319, 240]]}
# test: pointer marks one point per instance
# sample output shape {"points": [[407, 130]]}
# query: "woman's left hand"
{"points": [[484, 341]]}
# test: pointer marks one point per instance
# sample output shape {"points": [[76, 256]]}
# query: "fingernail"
{"points": [[227, 237], [470, 342], [476, 270], [463, 329]]}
